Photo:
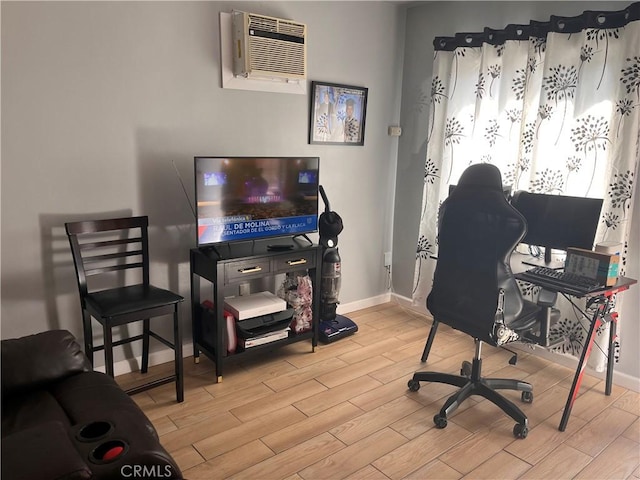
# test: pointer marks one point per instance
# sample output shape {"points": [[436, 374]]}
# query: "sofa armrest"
{"points": [[36, 360], [43, 452]]}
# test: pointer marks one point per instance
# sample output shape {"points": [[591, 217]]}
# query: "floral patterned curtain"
{"points": [[556, 106]]}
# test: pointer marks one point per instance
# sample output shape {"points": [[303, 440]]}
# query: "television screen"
{"points": [[248, 198]]}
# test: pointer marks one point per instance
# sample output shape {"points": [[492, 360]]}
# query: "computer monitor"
{"points": [[558, 221]]}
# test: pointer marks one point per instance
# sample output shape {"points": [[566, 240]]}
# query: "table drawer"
{"points": [[246, 270], [295, 261]]}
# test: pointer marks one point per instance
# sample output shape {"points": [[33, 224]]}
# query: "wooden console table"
{"points": [[235, 263]]}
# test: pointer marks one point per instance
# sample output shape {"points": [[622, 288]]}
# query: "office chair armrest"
{"points": [[547, 298], [548, 317]]}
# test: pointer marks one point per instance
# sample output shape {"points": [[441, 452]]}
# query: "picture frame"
{"points": [[337, 114]]}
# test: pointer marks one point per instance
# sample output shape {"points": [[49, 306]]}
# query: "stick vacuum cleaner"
{"points": [[332, 326]]}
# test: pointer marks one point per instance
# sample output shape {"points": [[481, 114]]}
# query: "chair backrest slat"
{"points": [[107, 247], [109, 243], [110, 256], [93, 226], [114, 268]]}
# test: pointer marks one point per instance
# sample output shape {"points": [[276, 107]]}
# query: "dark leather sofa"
{"points": [[61, 420]]}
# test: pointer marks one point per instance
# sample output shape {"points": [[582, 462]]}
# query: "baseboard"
{"points": [[620, 379], [406, 302], [402, 301], [155, 358], [344, 308], [166, 355], [626, 381]]}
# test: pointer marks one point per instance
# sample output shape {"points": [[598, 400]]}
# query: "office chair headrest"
{"points": [[482, 175]]}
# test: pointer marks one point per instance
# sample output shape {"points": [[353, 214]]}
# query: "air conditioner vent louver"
{"points": [[291, 29], [269, 47], [263, 23], [277, 56], [275, 25]]}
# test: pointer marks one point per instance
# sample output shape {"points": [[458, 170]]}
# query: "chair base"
{"points": [[156, 383], [474, 384], [107, 347]]}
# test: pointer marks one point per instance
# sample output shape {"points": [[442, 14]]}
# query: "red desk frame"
{"points": [[602, 299], [603, 313]]}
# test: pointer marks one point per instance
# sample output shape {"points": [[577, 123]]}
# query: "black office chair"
{"points": [[474, 290], [116, 251]]}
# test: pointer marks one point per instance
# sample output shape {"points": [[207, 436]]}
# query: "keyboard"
{"points": [[561, 281]]}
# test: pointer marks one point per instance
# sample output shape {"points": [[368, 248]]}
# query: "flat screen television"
{"points": [[558, 221], [250, 198]]}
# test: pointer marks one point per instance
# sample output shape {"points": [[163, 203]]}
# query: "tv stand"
{"points": [[210, 250], [303, 235], [280, 247], [227, 266]]}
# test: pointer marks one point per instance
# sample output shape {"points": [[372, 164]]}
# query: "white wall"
{"points": [[431, 19], [99, 98]]}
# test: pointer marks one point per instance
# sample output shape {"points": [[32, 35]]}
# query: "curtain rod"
{"points": [[589, 19]]}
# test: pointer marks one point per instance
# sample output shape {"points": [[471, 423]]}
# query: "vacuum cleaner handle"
{"points": [[327, 208]]}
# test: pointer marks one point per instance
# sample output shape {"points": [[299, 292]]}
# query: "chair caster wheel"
{"points": [[465, 370], [413, 385], [527, 397], [440, 421], [520, 431]]}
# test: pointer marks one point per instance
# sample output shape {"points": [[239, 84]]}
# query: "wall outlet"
{"points": [[387, 259], [394, 131], [244, 289]]}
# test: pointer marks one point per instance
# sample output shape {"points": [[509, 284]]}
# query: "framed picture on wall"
{"points": [[338, 114]]}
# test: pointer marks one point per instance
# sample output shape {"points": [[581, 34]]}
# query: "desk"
{"points": [[601, 302]]}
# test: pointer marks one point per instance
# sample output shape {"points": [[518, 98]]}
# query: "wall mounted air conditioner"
{"points": [[268, 47]]}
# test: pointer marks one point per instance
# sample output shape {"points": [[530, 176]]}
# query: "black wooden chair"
{"points": [[474, 289], [114, 253]]}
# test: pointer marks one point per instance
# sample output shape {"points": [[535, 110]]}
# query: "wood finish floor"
{"points": [[344, 412]]}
